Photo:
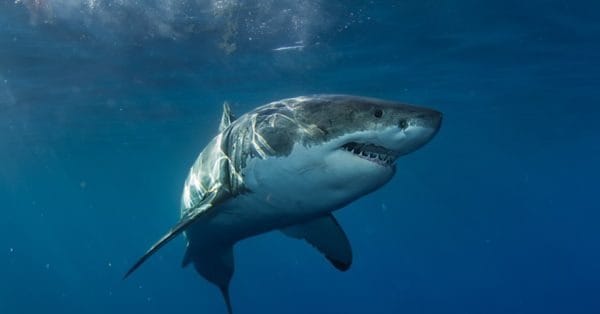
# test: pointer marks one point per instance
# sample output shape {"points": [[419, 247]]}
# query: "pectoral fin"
{"points": [[327, 236], [184, 222]]}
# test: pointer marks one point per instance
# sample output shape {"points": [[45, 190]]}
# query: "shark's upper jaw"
{"points": [[374, 153], [383, 146]]}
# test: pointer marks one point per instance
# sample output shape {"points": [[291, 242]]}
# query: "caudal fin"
{"points": [[214, 263], [225, 293]]}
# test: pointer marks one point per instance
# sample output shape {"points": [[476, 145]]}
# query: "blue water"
{"points": [[105, 104]]}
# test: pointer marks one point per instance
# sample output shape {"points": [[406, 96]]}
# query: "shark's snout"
{"points": [[426, 118], [418, 129], [436, 118], [434, 122]]}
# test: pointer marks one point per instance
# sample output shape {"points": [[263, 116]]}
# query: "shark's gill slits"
{"points": [[371, 152]]}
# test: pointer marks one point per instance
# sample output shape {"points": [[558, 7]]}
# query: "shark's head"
{"points": [[349, 145], [364, 137], [371, 129]]}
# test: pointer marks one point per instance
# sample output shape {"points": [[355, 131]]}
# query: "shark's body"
{"points": [[288, 165]]}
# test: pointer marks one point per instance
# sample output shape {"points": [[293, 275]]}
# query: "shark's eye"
{"points": [[378, 113], [403, 124]]}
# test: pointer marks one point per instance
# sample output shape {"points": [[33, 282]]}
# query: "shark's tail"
{"points": [[214, 263], [225, 292]]}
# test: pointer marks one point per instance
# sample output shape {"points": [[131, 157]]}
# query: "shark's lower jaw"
{"points": [[371, 152]]}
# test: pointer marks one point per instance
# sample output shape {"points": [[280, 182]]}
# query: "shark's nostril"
{"points": [[403, 124]]}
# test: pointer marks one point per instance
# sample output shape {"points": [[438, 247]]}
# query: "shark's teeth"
{"points": [[371, 152]]}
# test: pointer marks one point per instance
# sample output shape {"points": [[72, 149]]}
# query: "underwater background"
{"points": [[105, 104]]}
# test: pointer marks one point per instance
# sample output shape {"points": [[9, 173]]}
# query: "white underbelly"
{"points": [[248, 215], [284, 191]]}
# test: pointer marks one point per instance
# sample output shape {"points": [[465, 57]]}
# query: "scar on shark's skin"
{"points": [[288, 165]]}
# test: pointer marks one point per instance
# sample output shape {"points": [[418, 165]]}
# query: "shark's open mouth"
{"points": [[371, 152]]}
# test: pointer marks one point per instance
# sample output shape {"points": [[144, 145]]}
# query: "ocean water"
{"points": [[104, 105]]}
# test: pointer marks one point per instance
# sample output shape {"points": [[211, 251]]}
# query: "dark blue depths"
{"points": [[105, 104]]}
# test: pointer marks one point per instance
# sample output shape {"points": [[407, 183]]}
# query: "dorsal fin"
{"points": [[226, 118]]}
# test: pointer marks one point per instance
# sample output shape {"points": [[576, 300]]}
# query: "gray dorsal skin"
{"points": [[288, 165], [327, 236]]}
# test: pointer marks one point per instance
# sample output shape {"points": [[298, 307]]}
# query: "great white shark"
{"points": [[287, 166]]}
